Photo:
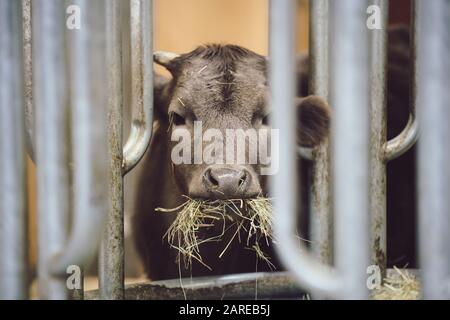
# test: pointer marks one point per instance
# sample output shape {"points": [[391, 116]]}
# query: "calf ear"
{"points": [[313, 120], [165, 59]]}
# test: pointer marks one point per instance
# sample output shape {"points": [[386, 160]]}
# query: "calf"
{"points": [[224, 87]]}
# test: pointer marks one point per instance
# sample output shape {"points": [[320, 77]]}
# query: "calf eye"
{"points": [[178, 119], [259, 119]]}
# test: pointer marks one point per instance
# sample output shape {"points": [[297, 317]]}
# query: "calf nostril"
{"points": [[213, 181], [228, 182], [243, 180]]}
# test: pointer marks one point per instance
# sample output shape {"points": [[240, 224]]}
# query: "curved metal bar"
{"points": [[408, 137], [142, 83], [351, 185], [89, 99], [405, 140], [310, 274]]}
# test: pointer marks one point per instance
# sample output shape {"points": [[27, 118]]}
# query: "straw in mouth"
{"points": [[252, 216]]}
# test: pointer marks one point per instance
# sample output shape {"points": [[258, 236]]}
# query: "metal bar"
{"points": [[378, 105], [51, 140], [350, 99], [111, 259], [394, 148], [433, 100], [318, 48], [13, 199], [28, 76], [311, 274], [88, 124], [142, 83], [405, 140], [321, 207]]}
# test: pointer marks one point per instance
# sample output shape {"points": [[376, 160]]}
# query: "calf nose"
{"points": [[226, 182]]}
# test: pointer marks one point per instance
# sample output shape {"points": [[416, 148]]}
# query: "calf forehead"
{"points": [[223, 87]]}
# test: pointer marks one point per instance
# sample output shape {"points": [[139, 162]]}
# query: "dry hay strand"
{"points": [[403, 285], [254, 216]]}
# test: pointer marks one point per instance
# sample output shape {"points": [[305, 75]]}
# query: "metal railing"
{"points": [[381, 151], [61, 99], [352, 72], [71, 130]]}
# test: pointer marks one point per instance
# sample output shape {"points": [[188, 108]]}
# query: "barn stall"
{"points": [[62, 104]]}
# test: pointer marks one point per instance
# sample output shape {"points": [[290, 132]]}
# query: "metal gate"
{"points": [[61, 99]]}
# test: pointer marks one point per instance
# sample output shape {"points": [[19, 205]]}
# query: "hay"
{"points": [[402, 285], [254, 216]]}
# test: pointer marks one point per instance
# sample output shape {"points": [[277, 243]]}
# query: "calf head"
{"points": [[224, 89]]}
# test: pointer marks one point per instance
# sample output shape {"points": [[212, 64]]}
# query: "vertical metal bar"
{"points": [[433, 106], [13, 203], [111, 259], [282, 81], [282, 40], [322, 217], [378, 100], [350, 99], [51, 139], [28, 76]]}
